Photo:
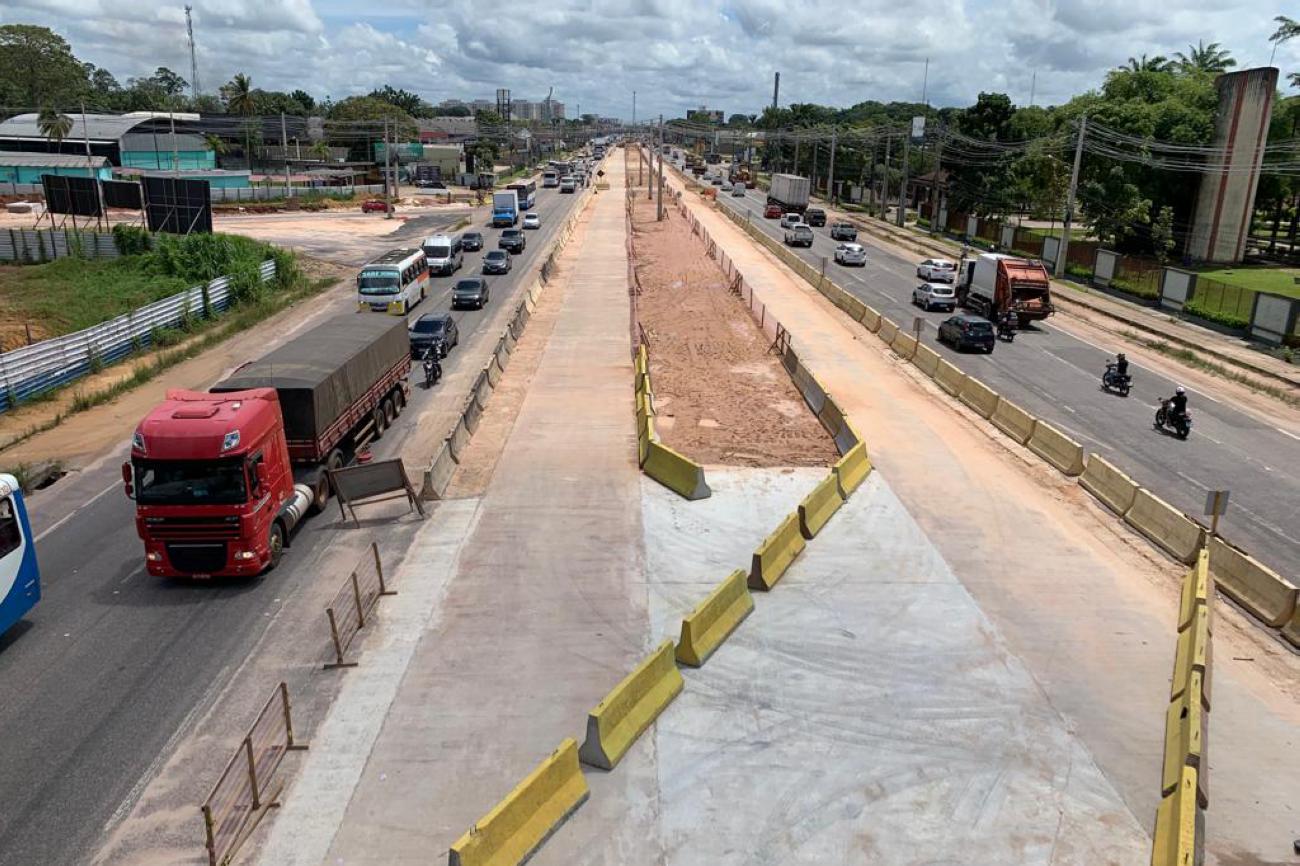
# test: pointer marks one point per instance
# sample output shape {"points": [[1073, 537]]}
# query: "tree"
{"points": [[1159, 63], [320, 150], [1205, 58], [169, 82], [356, 109], [409, 102], [216, 144], [37, 67], [304, 99], [53, 125], [455, 111], [1287, 29], [1114, 207], [988, 118], [238, 95], [1162, 234], [738, 120]]}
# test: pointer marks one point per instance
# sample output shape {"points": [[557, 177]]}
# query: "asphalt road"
{"points": [[1057, 376], [105, 674]]}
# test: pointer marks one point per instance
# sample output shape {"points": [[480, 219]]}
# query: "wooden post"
{"points": [[252, 773], [356, 593], [209, 831], [338, 646], [288, 721], [379, 569]]}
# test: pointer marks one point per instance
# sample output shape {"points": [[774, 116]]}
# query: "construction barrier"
{"points": [[832, 418], [1252, 584], [473, 414], [1198, 590], [615, 723], [855, 308], [904, 345], [1169, 528], [1291, 631], [871, 319], [709, 624], [493, 371], [1179, 832], [948, 377], [458, 439], [1013, 421], [679, 474], [813, 392], [353, 602], [438, 475], [978, 396], [1193, 655], [776, 553], [926, 360], [529, 814], [1186, 739], [1056, 448], [852, 469], [820, 505], [888, 331], [482, 388], [1105, 481]]}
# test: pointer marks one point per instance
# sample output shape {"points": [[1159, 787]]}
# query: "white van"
{"points": [[568, 183], [444, 254]]}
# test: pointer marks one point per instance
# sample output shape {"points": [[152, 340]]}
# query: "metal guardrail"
{"points": [[44, 245], [353, 602], [248, 787], [43, 366]]}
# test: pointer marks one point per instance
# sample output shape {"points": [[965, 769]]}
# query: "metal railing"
{"points": [[354, 602], [45, 245]]}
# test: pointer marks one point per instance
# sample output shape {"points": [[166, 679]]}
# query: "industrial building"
{"points": [[28, 167], [139, 139]]}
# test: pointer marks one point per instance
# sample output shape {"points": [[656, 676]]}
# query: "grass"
{"points": [[1279, 281], [1187, 356]]}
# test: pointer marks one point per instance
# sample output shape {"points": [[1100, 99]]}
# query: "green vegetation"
{"points": [[1214, 314], [1279, 281]]}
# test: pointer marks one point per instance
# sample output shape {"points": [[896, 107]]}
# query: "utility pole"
{"points": [[284, 146], [884, 184], [388, 193], [176, 157], [660, 213], [1059, 268], [633, 108], [796, 154], [902, 186], [830, 174], [776, 89], [935, 197], [194, 63], [650, 162]]}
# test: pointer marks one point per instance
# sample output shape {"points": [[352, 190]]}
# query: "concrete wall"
{"points": [[1226, 198], [1176, 288]]}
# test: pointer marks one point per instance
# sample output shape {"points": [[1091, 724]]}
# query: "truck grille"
{"points": [[193, 528], [197, 558]]}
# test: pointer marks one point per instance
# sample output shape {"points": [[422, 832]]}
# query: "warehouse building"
{"points": [[28, 167], [139, 139]]}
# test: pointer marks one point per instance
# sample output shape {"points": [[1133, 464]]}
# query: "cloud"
{"points": [[676, 54]]}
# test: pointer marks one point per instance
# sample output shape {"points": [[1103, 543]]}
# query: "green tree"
{"points": [[37, 67], [320, 150], [169, 82], [305, 99], [1205, 58], [1159, 63], [739, 120], [407, 101], [216, 144], [367, 108], [1287, 29], [455, 111], [238, 95], [1162, 234], [1114, 207], [53, 125]]}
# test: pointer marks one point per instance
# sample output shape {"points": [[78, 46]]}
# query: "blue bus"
{"points": [[20, 579], [527, 192]]}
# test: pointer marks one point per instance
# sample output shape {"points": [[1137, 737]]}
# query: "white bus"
{"points": [[550, 178], [394, 282]]}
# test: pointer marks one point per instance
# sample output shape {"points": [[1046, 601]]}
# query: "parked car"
{"points": [[850, 254], [738, 190], [937, 271], [935, 296], [814, 216], [799, 235], [772, 211], [434, 329], [512, 240], [843, 231], [497, 262], [532, 221], [473, 291], [791, 219], [374, 205], [471, 241], [964, 331]]}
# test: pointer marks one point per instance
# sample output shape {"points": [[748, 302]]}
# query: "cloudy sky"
{"points": [[674, 53]]}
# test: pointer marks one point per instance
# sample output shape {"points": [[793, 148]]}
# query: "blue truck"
{"points": [[505, 208]]}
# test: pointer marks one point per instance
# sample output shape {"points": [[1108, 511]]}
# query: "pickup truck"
{"points": [[799, 235], [844, 231]]}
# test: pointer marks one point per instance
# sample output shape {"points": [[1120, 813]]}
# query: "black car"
{"points": [[434, 329], [497, 262], [842, 231], [513, 240], [473, 291], [471, 241], [964, 331], [814, 216]]}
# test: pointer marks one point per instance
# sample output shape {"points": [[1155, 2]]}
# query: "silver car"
{"points": [[850, 254], [935, 296]]}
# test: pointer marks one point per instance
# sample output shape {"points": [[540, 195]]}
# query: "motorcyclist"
{"points": [[1119, 366], [1178, 403]]}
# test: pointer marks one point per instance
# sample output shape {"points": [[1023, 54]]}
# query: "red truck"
{"points": [[993, 283], [221, 478]]}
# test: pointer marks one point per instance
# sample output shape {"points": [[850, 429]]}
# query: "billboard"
{"points": [[177, 205], [70, 195], [125, 194]]}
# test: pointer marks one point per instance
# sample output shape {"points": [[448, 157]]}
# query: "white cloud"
{"points": [[675, 53]]}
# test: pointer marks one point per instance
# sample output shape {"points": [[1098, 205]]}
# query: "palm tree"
{"points": [[216, 144], [1287, 29], [320, 150], [1159, 63], [1205, 58], [239, 100], [54, 125]]}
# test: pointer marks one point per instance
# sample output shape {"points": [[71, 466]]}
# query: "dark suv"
{"points": [[842, 231], [814, 216], [434, 329], [471, 241], [513, 240], [964, 331], [470, 292]]}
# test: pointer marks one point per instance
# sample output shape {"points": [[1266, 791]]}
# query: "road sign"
{"points": [[1216, 505], [917, 324]]}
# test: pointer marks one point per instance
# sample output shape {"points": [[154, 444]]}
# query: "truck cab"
{"points": [[505, 208]]}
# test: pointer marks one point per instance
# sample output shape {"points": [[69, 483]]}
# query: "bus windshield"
{"points": [[190, 482], [378, 283]]}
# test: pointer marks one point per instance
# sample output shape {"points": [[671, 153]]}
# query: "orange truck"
{"points": [[993, 283]]}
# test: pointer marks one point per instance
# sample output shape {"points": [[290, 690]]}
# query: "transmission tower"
{"points": [[194, 62]]}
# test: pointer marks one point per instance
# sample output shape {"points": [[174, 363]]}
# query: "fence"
{"points": [[43, 245], [43, 366], [266, 193], [9, 188], [353, 602], [248, 786]]}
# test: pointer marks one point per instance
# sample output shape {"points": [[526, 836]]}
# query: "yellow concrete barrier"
{"points": [[528, 815], [1178, 834], [978, 396], [852, 469], [1105, 481], [1253, 585], [1170, 529], [1194, 655], [1056, 448], [776, 553], [1013, 421], [855, 308], [679, 474], [888, 331], [1291, 631], [615, 723], [1198, 589], [1186, 734], [948, 377], [871, 319], [926, 360], [708, 625], [830, 415], [820, 505], [904, 346]]}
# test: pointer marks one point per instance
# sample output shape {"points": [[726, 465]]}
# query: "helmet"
{"points": [[1180, 390], [1120, 356]]}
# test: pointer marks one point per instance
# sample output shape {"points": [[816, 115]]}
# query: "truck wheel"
{"points": [[378, 418], [390, 411], [275, 541], [399, 400]]}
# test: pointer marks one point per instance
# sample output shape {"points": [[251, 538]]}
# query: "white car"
{"points": [[738, 191], [532, 221], [935, 296], [937, 271], [726, 186], [791, 220], [850, 254]]}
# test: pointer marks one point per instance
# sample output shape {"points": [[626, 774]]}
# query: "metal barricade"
{"points": [[354, 602]]}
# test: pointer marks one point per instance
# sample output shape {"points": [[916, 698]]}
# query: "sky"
{"points": [[675, 54]]}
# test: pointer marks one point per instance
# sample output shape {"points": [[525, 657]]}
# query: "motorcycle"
{"points": [[1006, 332], [432, 366], [1111, 380], [1180, 424]]}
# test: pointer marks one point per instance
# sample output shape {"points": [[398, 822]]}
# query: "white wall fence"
{"points": [[44, 245], [8, 188], [40, 367], [264, 193]]}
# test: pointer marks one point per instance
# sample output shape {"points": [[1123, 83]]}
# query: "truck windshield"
{"points": [[378, 283], [190, 482]]}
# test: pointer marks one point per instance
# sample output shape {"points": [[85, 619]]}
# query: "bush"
{"points": [[131, 240], [1217, 316], [1132, 289]]}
